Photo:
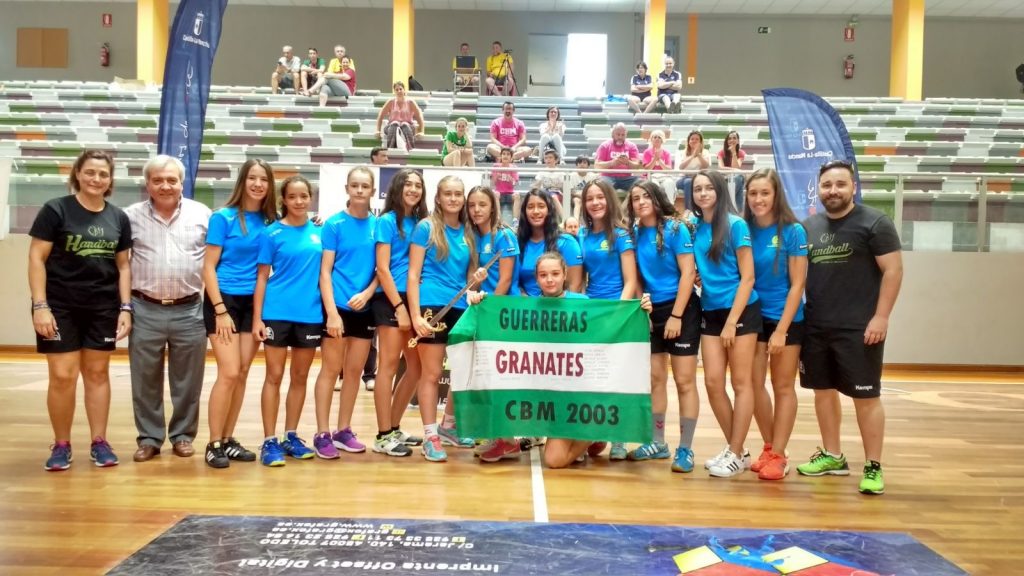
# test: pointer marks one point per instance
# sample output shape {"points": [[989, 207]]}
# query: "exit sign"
{"points": [[764, 29]]}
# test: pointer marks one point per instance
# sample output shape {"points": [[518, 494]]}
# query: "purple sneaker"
{"points": [[323, 446], [346, 440]]}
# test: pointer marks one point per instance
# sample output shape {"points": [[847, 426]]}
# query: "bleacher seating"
{"points": [[44, 125]]}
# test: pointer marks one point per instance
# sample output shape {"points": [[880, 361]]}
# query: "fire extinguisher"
{"points": [[105, 55], [848, 65]]}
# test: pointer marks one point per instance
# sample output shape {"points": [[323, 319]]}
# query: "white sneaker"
{"points": [[727, 466], [714, 459], [370, 384]]}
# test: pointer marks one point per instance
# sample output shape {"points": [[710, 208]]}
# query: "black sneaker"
{"points": [[215, 456], [236, 451]]}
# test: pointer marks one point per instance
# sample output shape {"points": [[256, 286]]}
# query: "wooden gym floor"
{"points": [[954, 464]]}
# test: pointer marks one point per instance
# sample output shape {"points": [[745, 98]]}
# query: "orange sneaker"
{"points": [[776, 467], [766, 452], [501, 449]]}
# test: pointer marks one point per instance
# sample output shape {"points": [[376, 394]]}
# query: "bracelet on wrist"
{"points": [[224, 313], [676, 316], [127, 307], [215, 304], [397, 306], [43, 305]]}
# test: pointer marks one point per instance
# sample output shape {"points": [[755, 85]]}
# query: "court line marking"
{"points": [[540, 499]]}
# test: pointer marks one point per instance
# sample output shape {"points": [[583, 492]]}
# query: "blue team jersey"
{"points": [[603, 262], [566, 246], [721, 279], [351, 239], [487, 246], [387, 233], [659, 270], [440, 281], [236, 270], [293, 291], [771, 280], [575, 296]]}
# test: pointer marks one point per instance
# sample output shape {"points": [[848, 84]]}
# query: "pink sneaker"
{"points": [[501, 449], [346, 440], [323, 446]]}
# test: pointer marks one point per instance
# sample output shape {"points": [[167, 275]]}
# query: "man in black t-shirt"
{"points": [[853, 278]]}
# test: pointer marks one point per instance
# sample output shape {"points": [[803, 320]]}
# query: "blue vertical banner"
{"points": [[190, 51], [806, 132]]}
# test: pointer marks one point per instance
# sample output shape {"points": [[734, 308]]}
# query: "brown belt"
{"points": [[190, 299]]}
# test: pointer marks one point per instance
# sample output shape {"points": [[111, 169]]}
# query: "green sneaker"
{"points": [[872, 483], [823, 463]]}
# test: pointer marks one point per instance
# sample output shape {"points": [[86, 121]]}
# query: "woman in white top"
{"points": [[694, 159], [552, 131]]}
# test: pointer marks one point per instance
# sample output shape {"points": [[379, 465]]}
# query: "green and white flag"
{"points": [[558, 367]]}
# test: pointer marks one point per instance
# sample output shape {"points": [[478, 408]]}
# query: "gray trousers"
{"points": [[336, 87], [179, 331]]}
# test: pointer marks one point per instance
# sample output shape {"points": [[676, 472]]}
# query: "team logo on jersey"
{"points": [[487, 248], [95, 231], [604, 246], [775, 241]]}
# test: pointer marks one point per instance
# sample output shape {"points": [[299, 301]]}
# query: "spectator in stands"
{"points": [[79, 278], [552, 182], [405, 119], [339, 79], [466, 79], [507, 131], [311, 70], [730, 159], [572, 227], [552, 130], [499, 71], [693, 159], [670, 84], [504, 178], [286, 74], [577, 181], [458, 146], [640, 90], [618, 154], [656, 157], [379, 156]]}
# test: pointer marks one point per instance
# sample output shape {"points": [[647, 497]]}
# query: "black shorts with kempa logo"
{"points": [[688, 341], [78, 328], [840, 360], [281, 333], [713, 321]]}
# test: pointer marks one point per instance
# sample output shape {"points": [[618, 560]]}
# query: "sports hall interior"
{"points": [[936, 118]]}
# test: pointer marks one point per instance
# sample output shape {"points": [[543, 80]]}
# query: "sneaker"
{"points": [[528, 442], [346, 440], [823, 463], [235, 451], [727, 466], [216, 456], [766, 453], [596, 448], [618, 451], [501, 449], [271, 453], [872, 483], [652, 451], [432, 450], [714, 459], [482, 447], [408, 439], [370, 384], [101, 453], [775, 468], [296, 447], [683, 460], [450, 437], [324, 446], [392, 445], [60, 457]]}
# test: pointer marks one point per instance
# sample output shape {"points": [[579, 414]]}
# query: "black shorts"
{"points": [[286, 80], [382, 310], [281, 333], [794, 337], [238, 307], [77, 328], [357, 324], [499, 81], [449, 320], [688, 341], [839, 360], [713, 321]]}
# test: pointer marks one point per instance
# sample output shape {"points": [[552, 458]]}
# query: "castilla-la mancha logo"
{"points": [[197, 28]]}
